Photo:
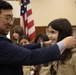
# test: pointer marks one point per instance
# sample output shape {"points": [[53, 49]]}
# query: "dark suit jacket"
{"points": [[12, 57]]}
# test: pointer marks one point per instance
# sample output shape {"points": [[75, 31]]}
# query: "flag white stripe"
{"points": [[28, 7], [31, 30]]}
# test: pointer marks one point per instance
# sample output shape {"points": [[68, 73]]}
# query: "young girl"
{"points": [[42, 69], [27, 70], [58, 30], [17, 33]]}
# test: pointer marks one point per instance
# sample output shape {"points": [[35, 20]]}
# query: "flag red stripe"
{"points": [[29, 12], [30, 24], [33, 35]]}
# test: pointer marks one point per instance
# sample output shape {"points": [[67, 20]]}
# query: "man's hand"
{"points": [[47, 43], [70, 42]]}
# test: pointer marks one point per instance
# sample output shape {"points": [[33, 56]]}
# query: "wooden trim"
{"points": [[74, 26]]}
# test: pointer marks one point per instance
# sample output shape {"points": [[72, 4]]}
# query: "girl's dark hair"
{"points": [[41, 35], [18, 29], [5, 5], [24, 37], [63, 26]]}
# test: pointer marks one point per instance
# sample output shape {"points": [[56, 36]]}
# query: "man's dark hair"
{"points": [[5, 5]]}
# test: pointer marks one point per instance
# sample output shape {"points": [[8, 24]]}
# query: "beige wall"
{"points": [[45, 11]]}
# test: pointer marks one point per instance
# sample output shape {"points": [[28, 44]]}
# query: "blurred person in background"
{"points": [[17, 32]]}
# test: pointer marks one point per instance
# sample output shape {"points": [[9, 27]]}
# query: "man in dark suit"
{"points": [[12, 57]]}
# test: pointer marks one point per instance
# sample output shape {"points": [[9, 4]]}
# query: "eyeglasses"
{"points": [[9, 19]]}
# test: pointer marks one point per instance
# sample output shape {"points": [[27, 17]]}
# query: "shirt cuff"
{"points": [[61, 46], [43, 44]]}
